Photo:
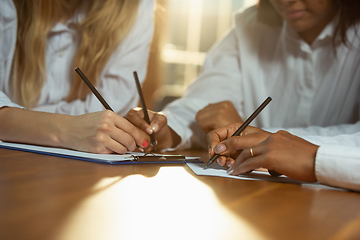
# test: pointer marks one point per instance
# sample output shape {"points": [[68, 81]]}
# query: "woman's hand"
{"points": [[102, 132], [282, 152], [217, 115], [99, 132], [220, 141], [164, 135]]}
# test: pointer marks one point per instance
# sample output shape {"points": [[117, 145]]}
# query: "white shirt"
{"points": [[337, 161], [314, 91], [116, 83]]}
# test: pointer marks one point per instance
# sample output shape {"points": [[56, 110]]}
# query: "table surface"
{"points": [[46, 197]]}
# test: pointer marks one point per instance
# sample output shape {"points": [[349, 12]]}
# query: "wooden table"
{"points": [[45, 197]]}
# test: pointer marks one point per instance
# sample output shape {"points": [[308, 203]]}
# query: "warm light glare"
{"points": [[171, 205]]}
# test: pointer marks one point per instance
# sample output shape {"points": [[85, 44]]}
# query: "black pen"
{"points": [[143, 105], [92, 88], [242, 127]]}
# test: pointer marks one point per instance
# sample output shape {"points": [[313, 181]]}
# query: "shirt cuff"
{"points": [[338, 166]]}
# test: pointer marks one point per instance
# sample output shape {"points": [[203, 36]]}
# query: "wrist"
{"points": [[59, 132], [170, 140]]}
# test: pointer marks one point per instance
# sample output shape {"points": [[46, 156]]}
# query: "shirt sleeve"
{"points": [[329, 131], [337, 161], [221, 69], [117, 83], [8, 31], [338, 165]]}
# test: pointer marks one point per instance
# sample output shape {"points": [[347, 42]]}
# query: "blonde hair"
{"points": [[106, 23]]}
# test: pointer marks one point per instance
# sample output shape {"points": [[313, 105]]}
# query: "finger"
{"points": [[238, 143], [248, 165], [246, 154], [132, 137], [120, 147], [158, 122], [221, 160], [229, 162], [214, 137], [136, 117]]}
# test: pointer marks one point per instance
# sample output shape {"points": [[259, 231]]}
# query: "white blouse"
{"points": [[316, 93], [116, 83], [311, 86]]}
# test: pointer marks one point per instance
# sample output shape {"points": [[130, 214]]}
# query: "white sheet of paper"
{"points": [[79, 154], [219, 171]]}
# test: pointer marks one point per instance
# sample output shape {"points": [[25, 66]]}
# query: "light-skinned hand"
{"points": [[102, 132], [164, 135]]}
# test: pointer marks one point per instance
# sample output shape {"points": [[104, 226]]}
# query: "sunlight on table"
{"points": [[171, 205]]}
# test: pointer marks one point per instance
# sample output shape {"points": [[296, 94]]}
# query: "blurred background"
{"points": [[184, 31]]}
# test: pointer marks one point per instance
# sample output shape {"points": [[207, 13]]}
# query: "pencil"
{"points": [[242, 127], [143, 105], [92, 88]]}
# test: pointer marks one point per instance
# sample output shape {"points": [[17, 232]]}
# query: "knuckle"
{"points": [[197, 117], [104, 127], [108, 114], [129, 142], [100, 139], [227, 103], [162, 117]]}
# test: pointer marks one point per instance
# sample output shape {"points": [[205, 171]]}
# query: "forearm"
{"points": [[24, 126]]}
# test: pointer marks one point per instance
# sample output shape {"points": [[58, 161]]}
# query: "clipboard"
{"points": [[116, 159]]}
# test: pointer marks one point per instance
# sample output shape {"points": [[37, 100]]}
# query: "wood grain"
{"points": [[45, 197]]}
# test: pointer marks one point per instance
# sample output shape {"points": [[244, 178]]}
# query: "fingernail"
{"points": [[220, 148], [219, 161], [145, 144], [149, 131], [209, 152], [228, 164], [155, 127]]}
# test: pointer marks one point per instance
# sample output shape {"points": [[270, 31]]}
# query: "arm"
{"points": [[99, 132], [116, 81]]}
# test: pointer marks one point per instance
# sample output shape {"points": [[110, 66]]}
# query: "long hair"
{"points": [[106, 23], [349, 15]]}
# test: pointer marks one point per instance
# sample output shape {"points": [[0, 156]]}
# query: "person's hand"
{"points": [[217, 115], [282, 152], [220, 141], [102, 132], [164, 135]]}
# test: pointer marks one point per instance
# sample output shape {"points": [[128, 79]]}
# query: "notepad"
{"points": [[128, 158]]}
